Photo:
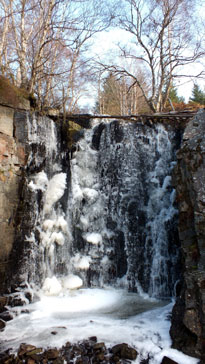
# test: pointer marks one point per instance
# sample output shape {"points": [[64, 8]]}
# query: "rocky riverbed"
{"points": [[84, 352]]}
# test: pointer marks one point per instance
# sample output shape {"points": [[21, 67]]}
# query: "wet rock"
{"points": [[145, 361], [124, 351], [6, 316], [51, 354], [25, 348], [31, 361], [100, 357], [4, 356], [3, 303], [2, 325], [34, 352], [93, 339], [99, 346], [84, 352], [167, 360]]}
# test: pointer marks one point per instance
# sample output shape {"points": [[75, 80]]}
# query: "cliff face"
{"points": [[188, 321], [12, 159]]}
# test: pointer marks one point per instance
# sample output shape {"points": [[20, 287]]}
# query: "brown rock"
{"points": [[100, 356], [34, 352], [51, 354], [30, 361], [124, 351], [99, 346], [3, 303], [25, 348]]}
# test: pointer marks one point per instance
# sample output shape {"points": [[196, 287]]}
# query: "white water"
{"points": [[114, 316]]}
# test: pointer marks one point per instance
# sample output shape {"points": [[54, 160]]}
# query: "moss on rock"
{"points": [[13, 96]]}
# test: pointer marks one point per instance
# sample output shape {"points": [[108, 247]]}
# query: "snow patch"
{"points": [[51, 286], [72, 282], [93, 238], [55, 191], [40, 182], [81, 262]]}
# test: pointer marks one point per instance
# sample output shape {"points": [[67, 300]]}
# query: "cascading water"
{"points": [[122, 207], [102, 219], [118, 227]]}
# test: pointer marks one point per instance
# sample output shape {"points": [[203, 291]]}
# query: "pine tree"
{"points": [[174, 97], [198, 95], [110, 97]]}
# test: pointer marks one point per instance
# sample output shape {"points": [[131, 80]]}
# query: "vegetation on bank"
{"points": [[11, 94]]}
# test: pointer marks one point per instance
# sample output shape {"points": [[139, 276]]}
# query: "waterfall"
{"points": [[122, 207], [104, 216], [103, 219]]}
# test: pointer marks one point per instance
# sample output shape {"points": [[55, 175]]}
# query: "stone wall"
{"points": [[12, 158], [188, 319]]}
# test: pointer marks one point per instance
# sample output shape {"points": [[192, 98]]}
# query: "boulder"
{"points": [[123, 351]]}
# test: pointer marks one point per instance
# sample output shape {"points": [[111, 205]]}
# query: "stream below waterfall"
{"points": [[114, 316], [101, 256]]}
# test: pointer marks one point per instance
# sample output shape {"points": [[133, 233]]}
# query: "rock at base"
{"points": [[124, 351], [167, 360]]}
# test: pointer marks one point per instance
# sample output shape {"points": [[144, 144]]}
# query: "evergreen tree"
{"points": [[174, 97], [198, 95], [110, 96]]}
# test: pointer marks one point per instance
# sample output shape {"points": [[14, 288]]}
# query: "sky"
{"points": [[105, 48]]}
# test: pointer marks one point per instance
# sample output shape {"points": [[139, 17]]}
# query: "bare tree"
{"points": [[4, 29], [163, 41], [44, 43], [116, 97]]}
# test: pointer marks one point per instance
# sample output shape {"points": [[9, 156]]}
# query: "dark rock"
{"points": [[2, 325], [167, 360], [188, 318], [145, 361], [6, 316], [3, 303], [99, 346], [97, 135], [93, 339], [3, 357], [58, 361], [100, 357], [30, 361], [51, 354], [124, 351]]}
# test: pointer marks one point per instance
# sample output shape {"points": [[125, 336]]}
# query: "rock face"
{"points": [[12, 159], [188, 321]]}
